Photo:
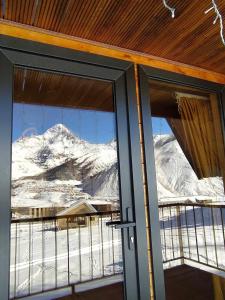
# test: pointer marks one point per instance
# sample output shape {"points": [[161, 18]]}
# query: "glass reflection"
{"points": [[64, 183]]}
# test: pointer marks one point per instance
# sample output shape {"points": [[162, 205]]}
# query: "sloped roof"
{"points": [[76, 205]]}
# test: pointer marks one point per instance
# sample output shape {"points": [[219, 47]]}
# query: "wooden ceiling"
{"points": [[140, 25], [53, 89]]}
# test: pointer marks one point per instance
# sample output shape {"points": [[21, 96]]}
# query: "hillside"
{"points": [[58, 167]]}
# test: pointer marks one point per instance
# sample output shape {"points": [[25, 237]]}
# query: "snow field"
{"points": [[43, 259]]}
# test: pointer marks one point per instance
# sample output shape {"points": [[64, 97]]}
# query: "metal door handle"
{"points": [[128, 225], [120, 225]]}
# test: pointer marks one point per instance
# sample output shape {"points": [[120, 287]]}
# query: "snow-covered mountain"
{"points": [[175, 176], [58, 167]]}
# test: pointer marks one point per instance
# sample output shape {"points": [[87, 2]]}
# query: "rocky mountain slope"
{"points": [[57, 167]]}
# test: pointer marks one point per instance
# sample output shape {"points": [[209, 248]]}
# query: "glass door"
{"points": [[183, 130], [73, 228]]}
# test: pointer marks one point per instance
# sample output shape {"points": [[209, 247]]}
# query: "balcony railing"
{"points": [[193, 233], [54, 252]]}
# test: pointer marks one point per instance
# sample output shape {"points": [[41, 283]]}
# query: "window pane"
{"points": [[64, 183]]}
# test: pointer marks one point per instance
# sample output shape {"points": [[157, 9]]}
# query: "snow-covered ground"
{"points": [[40, 260]]}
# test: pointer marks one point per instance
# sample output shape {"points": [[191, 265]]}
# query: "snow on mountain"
{"points": [[58, 168], [175, 176]]}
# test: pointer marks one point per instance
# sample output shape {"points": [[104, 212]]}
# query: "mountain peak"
{"points": [[59, 128], [60, 131]]}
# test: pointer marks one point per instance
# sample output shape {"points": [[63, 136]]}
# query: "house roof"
{"points": [[144, 26], [77, 205]]}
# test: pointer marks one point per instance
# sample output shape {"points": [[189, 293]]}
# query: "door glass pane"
{"points": [[190, 174], [65, 187]]}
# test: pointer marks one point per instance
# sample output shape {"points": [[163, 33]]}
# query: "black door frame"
{"points": [[146, 73], [18, 52]]}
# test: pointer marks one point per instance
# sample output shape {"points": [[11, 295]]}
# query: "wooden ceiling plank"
{"points": [[46, 16], [114, 32], [78, 19], [68, 19], [43, 36], [57, 14], [141, 25], [21, 12], [98, 13], [2, 3], [107, 14], [62, 8]]}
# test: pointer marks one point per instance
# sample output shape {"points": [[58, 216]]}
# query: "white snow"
{"points": [[82, 169], [85, 170], [36, 264], [175, 176]]}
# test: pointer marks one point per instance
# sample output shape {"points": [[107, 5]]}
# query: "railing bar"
{"points": [[113, 250], [103, 272], [42, 219], [173, 259], [164, 233], [208, 265], [15, 276], [32, 248], [79, 242], [56, 254], [99, 240], [68, 250], [214, 237], [192, 204], [60, 288], [43, 271], [171, 230], [196, 235], [222, 223], [204, 235], [188, 239], [92, 271], [222, 227], [179, 230], [29, 249]]}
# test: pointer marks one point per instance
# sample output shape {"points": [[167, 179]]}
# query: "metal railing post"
{"points": [[179, 229]]}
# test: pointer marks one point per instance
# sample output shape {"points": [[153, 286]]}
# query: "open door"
{"points": [[183, 129]]}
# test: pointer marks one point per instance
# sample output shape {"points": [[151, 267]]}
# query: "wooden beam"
{"points": [[57, 39]]}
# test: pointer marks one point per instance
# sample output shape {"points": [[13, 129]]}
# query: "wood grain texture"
{"points": [[53, 89], [139, 25], [61, 40], [151, 280]]}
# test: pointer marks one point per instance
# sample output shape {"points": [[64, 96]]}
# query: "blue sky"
{"points": [[160, 126], [92, 126]]}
